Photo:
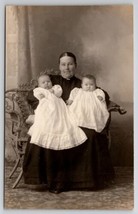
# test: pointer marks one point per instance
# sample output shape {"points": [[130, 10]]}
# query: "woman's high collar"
{"points": [[68, 79]]}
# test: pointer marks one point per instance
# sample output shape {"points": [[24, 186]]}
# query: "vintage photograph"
{"points": [[69, 107]]}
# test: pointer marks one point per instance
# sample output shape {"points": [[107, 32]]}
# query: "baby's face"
{"points": [[44, 82], [88, 84]]}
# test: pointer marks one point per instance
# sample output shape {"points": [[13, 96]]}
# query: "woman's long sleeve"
{"points": [[32, 100]]}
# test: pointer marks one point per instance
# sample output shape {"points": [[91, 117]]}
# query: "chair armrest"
{"points": [[14, 119], [113, 107]]}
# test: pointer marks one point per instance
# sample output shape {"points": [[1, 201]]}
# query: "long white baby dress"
{"points": [[87, 110], [53, 128]]}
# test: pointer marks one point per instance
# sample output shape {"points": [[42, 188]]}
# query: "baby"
{"points": [[44, 82], [87, 105]]}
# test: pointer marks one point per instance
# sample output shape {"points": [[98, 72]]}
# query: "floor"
{"points": [[119, 196]]}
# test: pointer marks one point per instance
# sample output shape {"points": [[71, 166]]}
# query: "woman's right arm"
{"points": [[32, 100]]}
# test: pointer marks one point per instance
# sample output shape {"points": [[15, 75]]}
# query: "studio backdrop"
{"points": [[101, 37]]}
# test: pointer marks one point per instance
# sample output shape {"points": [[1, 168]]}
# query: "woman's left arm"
{"points": [[112, 106]]}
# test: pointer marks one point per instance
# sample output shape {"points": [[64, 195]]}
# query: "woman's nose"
{"points": [[67, 66]]}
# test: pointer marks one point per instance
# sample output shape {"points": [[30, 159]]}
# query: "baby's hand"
{"points": [[41, 96], [100, 98], [57, 90], [51, 90], [69, 102]]}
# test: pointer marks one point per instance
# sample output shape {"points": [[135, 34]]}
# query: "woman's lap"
{"points": [[83, 166]]}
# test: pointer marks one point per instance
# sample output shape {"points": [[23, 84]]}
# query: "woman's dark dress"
{"points": [[83, 167]]}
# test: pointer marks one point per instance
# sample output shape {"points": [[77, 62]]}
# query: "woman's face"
{"points": [[67, 67]]}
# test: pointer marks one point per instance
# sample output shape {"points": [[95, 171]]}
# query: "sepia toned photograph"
{"points": [[68, 138]]}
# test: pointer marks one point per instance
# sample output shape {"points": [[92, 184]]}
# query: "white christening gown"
{"points": [[87, 110], [53, 127]]}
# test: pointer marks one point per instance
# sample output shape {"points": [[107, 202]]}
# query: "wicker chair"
{"points": [[16, 112]]}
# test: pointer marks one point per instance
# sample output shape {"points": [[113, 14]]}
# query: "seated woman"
{"points": [[87, 166]]}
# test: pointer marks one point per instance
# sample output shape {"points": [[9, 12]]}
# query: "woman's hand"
{"points": [[30, 119]]}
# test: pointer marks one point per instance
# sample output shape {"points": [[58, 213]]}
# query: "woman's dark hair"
{"points": [[70, 55]]}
